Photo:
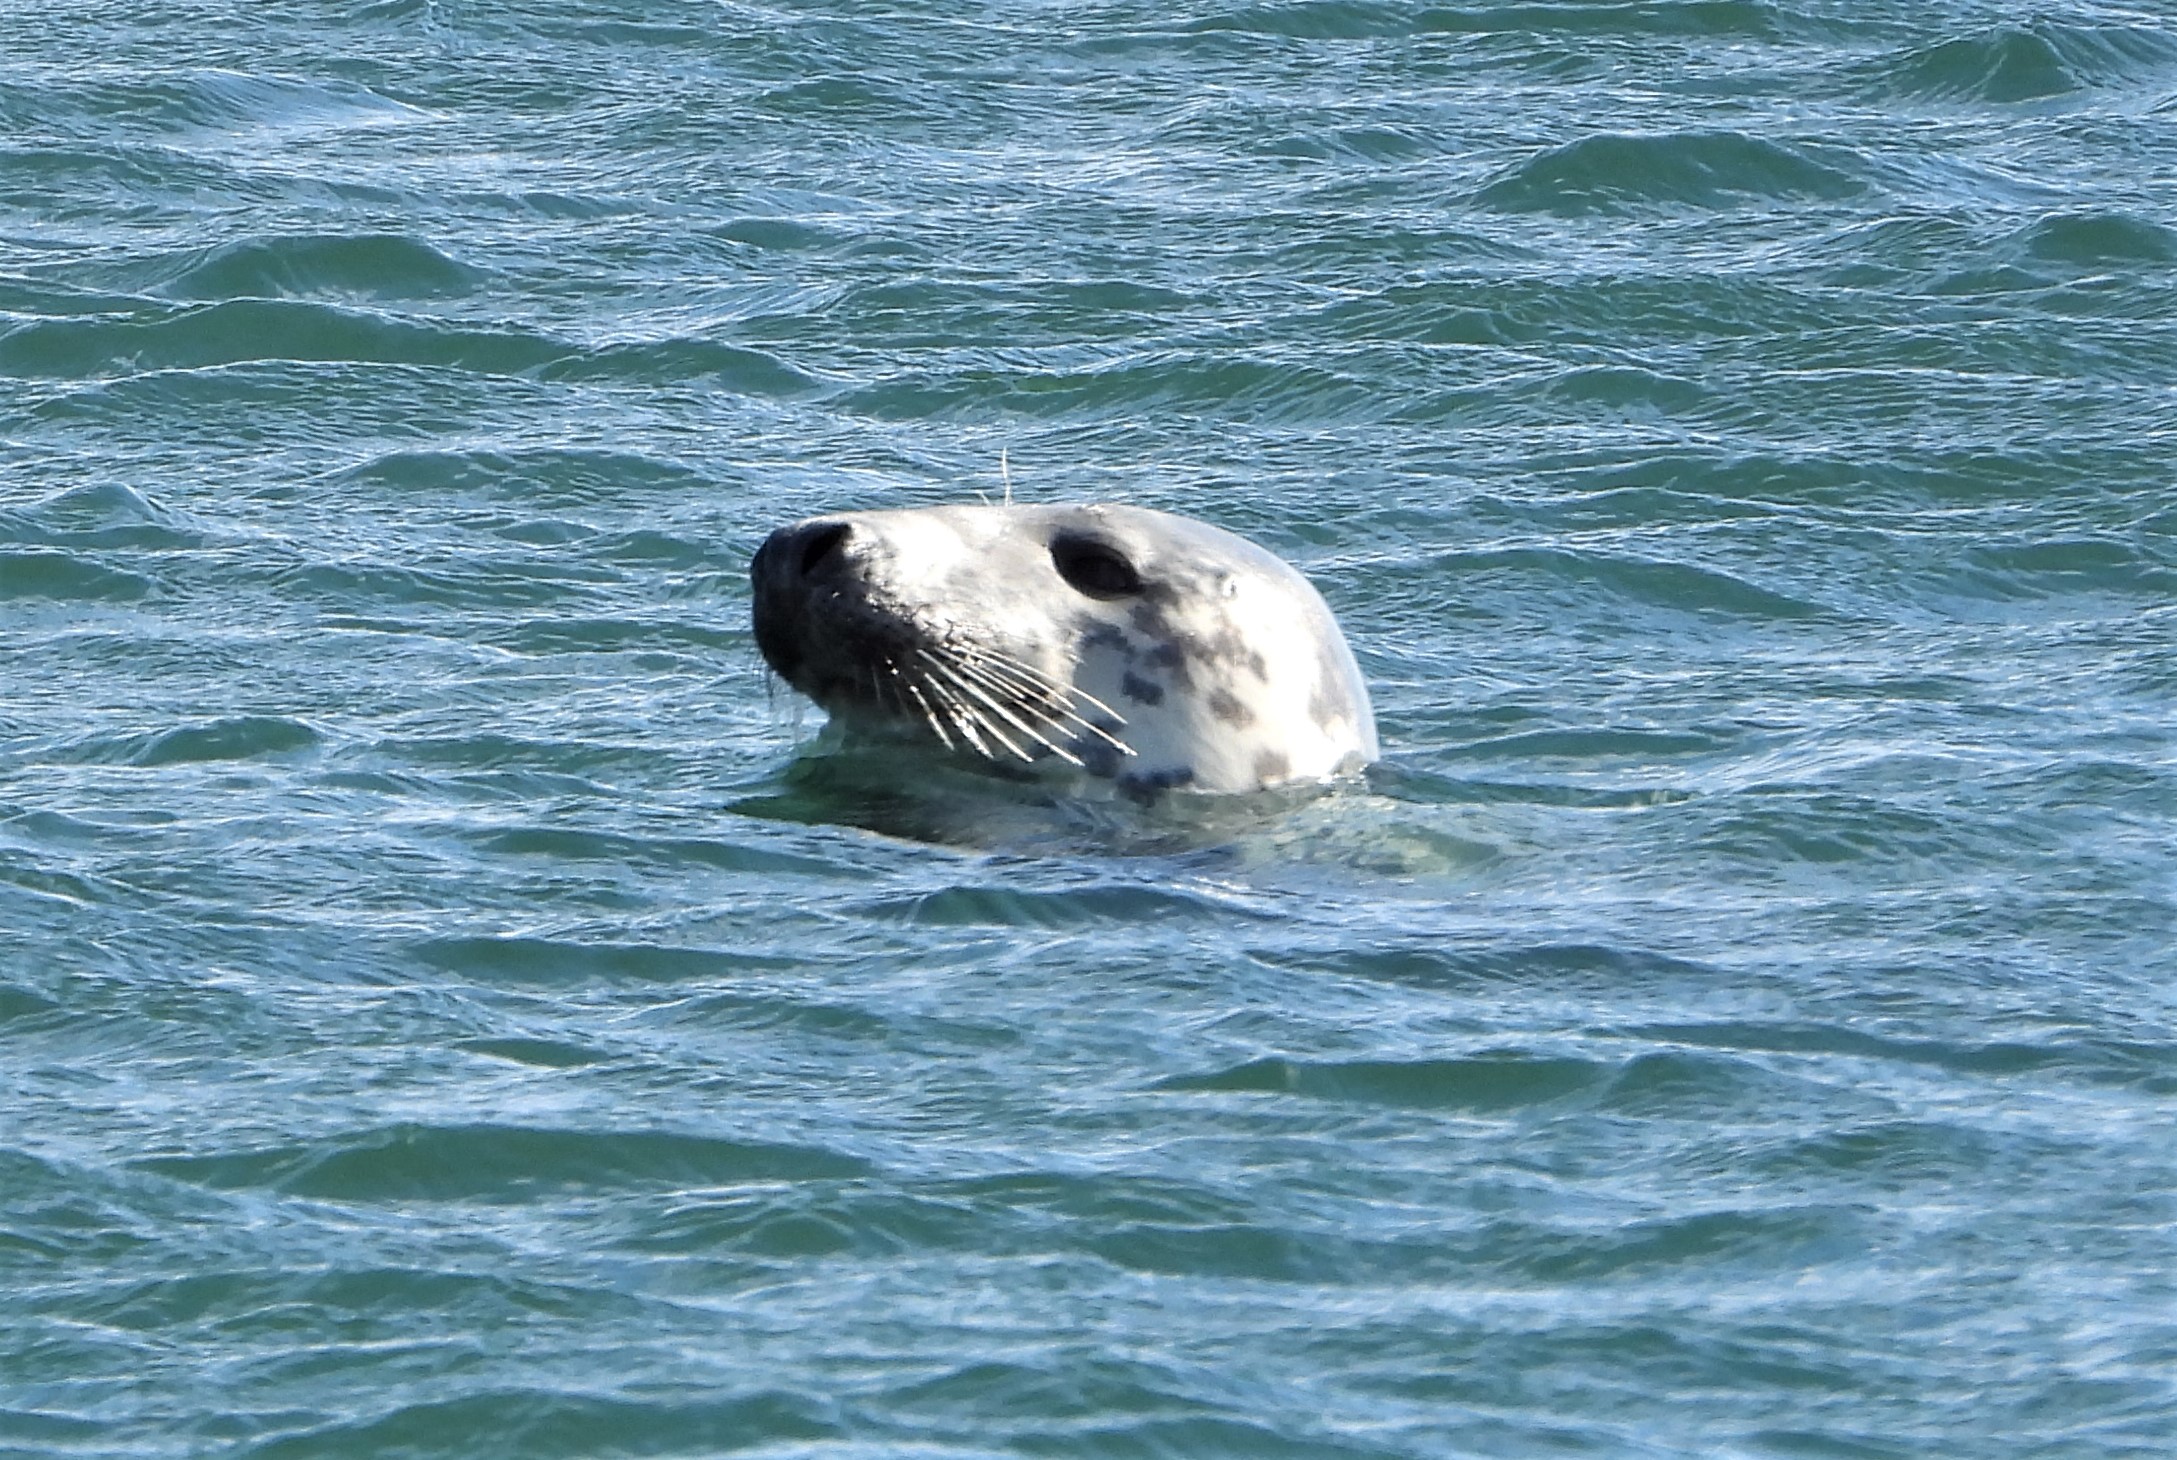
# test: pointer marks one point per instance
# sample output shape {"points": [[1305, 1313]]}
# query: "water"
{"points": [[443, 1015]]}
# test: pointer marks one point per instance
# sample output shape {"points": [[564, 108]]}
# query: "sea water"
{"points": [[450, 1006]]}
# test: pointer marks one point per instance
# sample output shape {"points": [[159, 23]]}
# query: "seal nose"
{"points": [[797, 555], [819, 547], [801, 550]]}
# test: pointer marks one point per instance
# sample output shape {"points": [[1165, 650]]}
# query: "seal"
{"points": [[1147, 649]]}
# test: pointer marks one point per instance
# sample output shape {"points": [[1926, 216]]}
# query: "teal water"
{"points": [[446, 1012]]}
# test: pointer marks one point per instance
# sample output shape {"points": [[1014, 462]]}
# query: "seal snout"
{"points": [[797, 559], [801, 550]]}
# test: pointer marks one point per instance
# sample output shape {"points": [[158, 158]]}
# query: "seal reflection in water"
{"points": [[1147, 649]]}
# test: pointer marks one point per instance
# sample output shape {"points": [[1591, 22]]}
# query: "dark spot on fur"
{"points": [[1097, 756], [1169, 660], [1323, 706], [1272, 766], [1225, 707], [1146, 786], [1179, 649], [1141, 691], [1107, 636], [1159, 592], [1151, 622]]}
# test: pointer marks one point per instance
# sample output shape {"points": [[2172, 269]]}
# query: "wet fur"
{"points": [[1203, 662]]}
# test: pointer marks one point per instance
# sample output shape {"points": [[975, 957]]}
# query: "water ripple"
{"points": [[453, 1006], [499, 1164]]}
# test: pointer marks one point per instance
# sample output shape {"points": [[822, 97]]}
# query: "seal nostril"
{"points": [[822, 547]]}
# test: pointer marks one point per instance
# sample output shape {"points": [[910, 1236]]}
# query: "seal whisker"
{"points": [[1046, 714], [1030, 674], [965, 694], [1026, 680], [1018, 696], [902, 687], [929, 716], [950, 707], [876, 685], [970, 722], [983, 690], [1017, 699], [1027, 673]]}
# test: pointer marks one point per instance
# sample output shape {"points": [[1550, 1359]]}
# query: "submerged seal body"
{"points": [[1148, 649]]}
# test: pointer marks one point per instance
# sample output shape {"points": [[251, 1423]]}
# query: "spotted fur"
{"points": [[1153, 650]]}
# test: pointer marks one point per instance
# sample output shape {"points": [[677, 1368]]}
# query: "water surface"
{"points": [[445, 1015]]}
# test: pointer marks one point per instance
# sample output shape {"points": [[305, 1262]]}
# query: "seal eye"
{"points": [[1094, 567]]}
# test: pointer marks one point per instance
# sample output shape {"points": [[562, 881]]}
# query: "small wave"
{"points": [[109, 515], [543, 1054], [1092, 906], [1626, 387], [598, 846], [1696, 169], [1899, 1152], [2098, 240], [1669, 586], [238, 331], [1044, 1388], [2033, 63], [68, 576], [19, 1004], [1260, 1250], [1590, 746], [106, 504], [814, 1018], [45, 1433], [1410, 784], [783, 235], [222, 99], [243, 737], [491, 751], [367, 266], [2066, 568], [1767, 827], [1765, 1238], [1995, 1057], [1559, 968], [471, 586], [1620, 505], [501, 1163], [951, 314], [1252, 390], [1374, 145], [1748, 19], [577, 634], [808, 1220], [552, 1424], [562, 477], [69, 171], [1503, 1080], [552, 206], [207, 110], [562, 962], [676, 361], [1319, 20], [852, 99]]}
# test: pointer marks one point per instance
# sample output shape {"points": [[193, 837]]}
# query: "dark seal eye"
{"points": [[1094, 567]]}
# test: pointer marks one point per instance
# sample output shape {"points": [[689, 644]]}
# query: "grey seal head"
{"points": [[1151, 650]]}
